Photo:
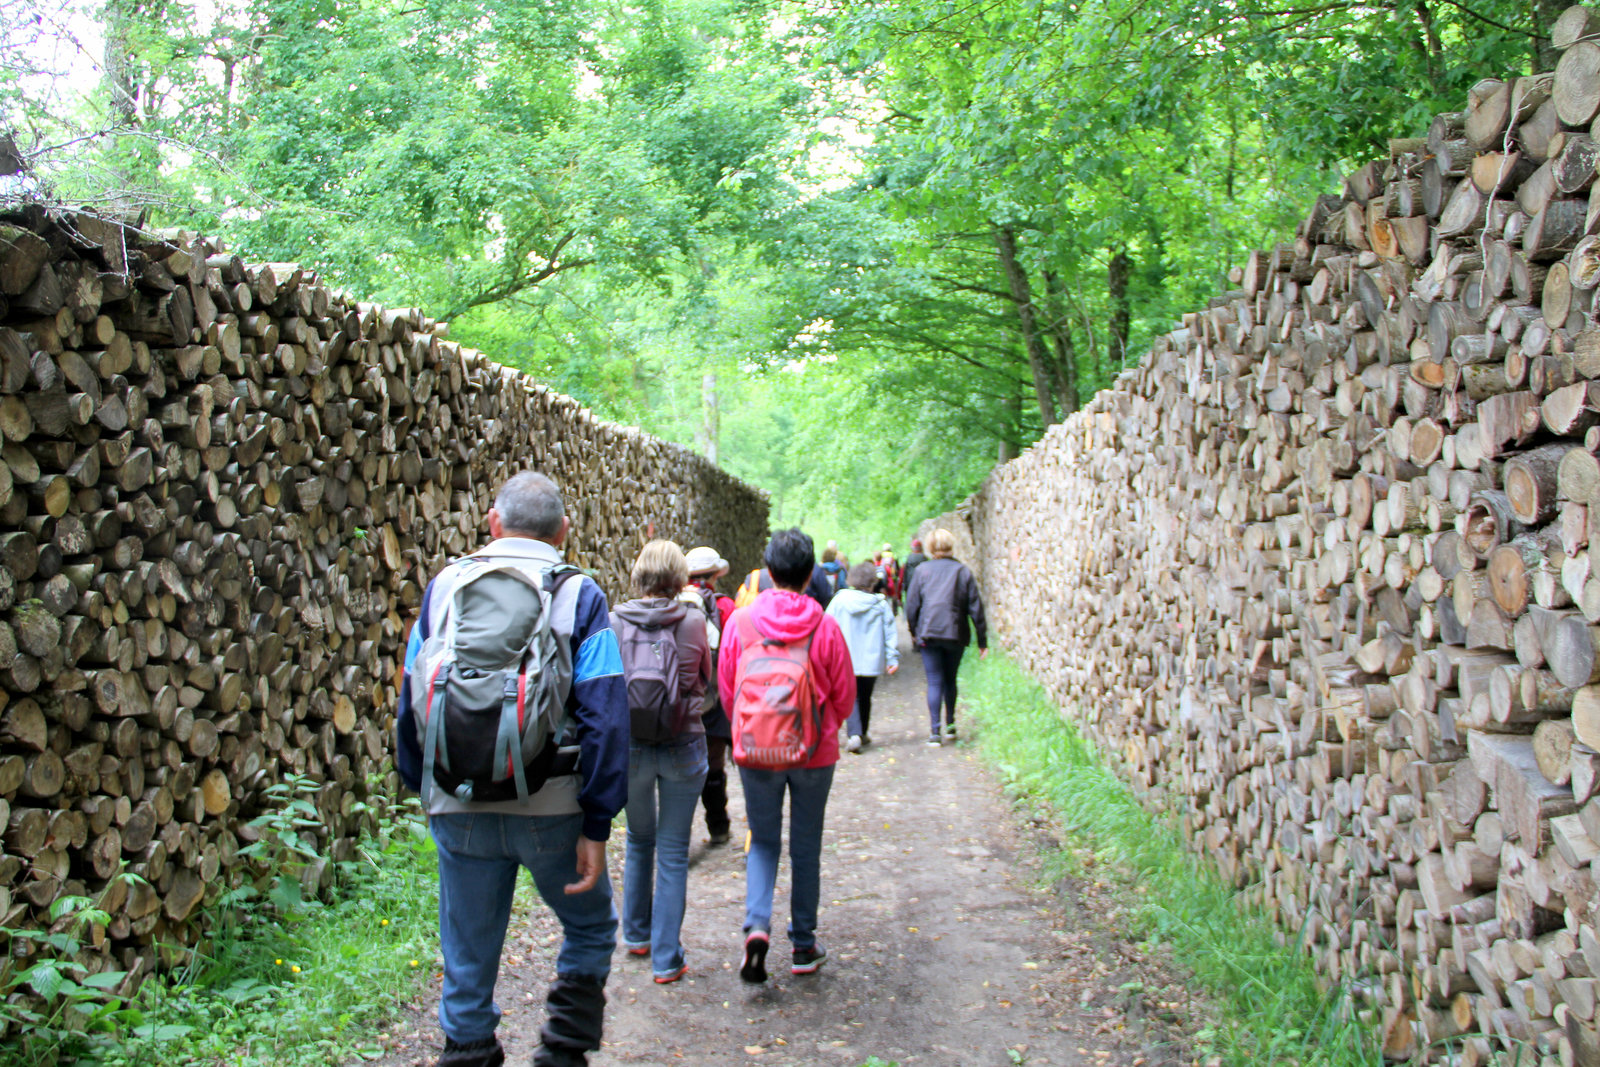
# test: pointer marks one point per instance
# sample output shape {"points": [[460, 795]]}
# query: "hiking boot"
{"points": [[933, 741], [754, 967], [854, 744], [807, 960], [485, 1053], [720, 837], [672, 975]]}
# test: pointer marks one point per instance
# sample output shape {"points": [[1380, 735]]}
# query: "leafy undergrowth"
{"points": [[1268, 1005], [282, 980]]}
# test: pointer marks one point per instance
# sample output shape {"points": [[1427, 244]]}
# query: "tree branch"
{"points": [[512, 286]]}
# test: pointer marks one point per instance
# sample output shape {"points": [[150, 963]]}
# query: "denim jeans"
{"points": [[664, 784], [860, 722], [941, 660], [763, 807], [478, 859]]}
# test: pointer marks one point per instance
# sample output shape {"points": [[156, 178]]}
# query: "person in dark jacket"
{"points": [[664, 776], [942, 597], [559, 832], [705, 567], [915, 559]]}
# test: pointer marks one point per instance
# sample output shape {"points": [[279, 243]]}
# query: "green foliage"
{"points": [[1270, 1009], [803, 204], [46, 996], [282, 978]]}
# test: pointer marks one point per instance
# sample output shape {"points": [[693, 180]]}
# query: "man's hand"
{"points": [[983, 653], [591, 864], [893, 667]]}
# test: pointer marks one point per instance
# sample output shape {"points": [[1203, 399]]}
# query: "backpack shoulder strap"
{"points": [[557, 576], [749, 635]]}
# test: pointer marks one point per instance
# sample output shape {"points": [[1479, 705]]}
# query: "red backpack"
{"points": [[777, 711]]}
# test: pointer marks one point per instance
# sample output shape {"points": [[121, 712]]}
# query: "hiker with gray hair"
{"points": [[513, 725]]}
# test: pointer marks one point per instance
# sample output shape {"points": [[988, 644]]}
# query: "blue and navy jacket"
{"points": [[597, 710]]}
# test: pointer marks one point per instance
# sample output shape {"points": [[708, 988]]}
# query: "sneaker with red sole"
{"points": [[807, 960], [754, 967], [673, 975], [637, 950]]}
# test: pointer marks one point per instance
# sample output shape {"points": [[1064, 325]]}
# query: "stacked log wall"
{"points": [[1322, 575], [223, 488]]}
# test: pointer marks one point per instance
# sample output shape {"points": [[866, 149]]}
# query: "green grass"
{"points": [[1266, 996], [282, 981]]}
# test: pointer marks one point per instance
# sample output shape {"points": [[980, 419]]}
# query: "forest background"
{"points": [[856, 251]]}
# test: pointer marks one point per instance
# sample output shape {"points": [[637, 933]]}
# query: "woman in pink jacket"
{"points": [[785, 614]]}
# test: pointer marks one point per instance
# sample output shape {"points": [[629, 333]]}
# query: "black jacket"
{"points": [[943, 595]]}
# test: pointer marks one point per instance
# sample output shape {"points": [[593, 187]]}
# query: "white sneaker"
{"points": [[950, 730], [854, 744]]}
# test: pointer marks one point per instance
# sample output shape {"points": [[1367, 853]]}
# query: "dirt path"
{"points": [[942, 948]]}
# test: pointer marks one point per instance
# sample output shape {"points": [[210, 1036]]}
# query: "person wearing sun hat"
{"points": [[705, 567]]}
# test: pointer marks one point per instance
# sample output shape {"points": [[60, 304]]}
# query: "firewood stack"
{"points": [[223, 490], [1319, 574]]}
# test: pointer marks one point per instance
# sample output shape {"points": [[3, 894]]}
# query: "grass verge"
{"points": [[1268, 1004], [281, 981]]}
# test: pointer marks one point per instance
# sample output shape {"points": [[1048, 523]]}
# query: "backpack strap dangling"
{"points": [[434, 749], [508, 739]]}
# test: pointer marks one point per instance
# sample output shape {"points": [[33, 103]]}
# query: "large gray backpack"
{"points": [[491, 683]]}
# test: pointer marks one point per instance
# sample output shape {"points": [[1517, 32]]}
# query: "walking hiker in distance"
{"points": [[915, 559], [705, 567], [785, 676], [817, 586], [942, 597], [666, 660], [868, 627], [892, 585], [511, 635]]}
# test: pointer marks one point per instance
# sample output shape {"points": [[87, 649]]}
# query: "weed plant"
{"points": [[1270, 1009], [282, 979]]}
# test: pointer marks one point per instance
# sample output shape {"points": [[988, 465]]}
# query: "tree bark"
{"points": [[1066, 361], [1005, 241], [1117, 272], [119, 65]]}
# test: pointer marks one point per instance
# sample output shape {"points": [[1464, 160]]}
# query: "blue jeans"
{"points": [[478, 859], [941, 660], [763, 808], [664, 783]]}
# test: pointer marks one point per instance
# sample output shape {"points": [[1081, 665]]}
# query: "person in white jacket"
{"points": [[868, 626]]}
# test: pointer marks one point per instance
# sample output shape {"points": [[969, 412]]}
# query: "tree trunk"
{"points": [[1011, 432], [711, 428], [1066, 361], [1117, 272], [1022, 295], [119, 65]]}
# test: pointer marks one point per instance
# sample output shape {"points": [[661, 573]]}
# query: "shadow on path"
{"points": [[942, 948]]}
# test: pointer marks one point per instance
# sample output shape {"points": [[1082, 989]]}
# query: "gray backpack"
{"points": [[650, 668], [491, 684]]}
